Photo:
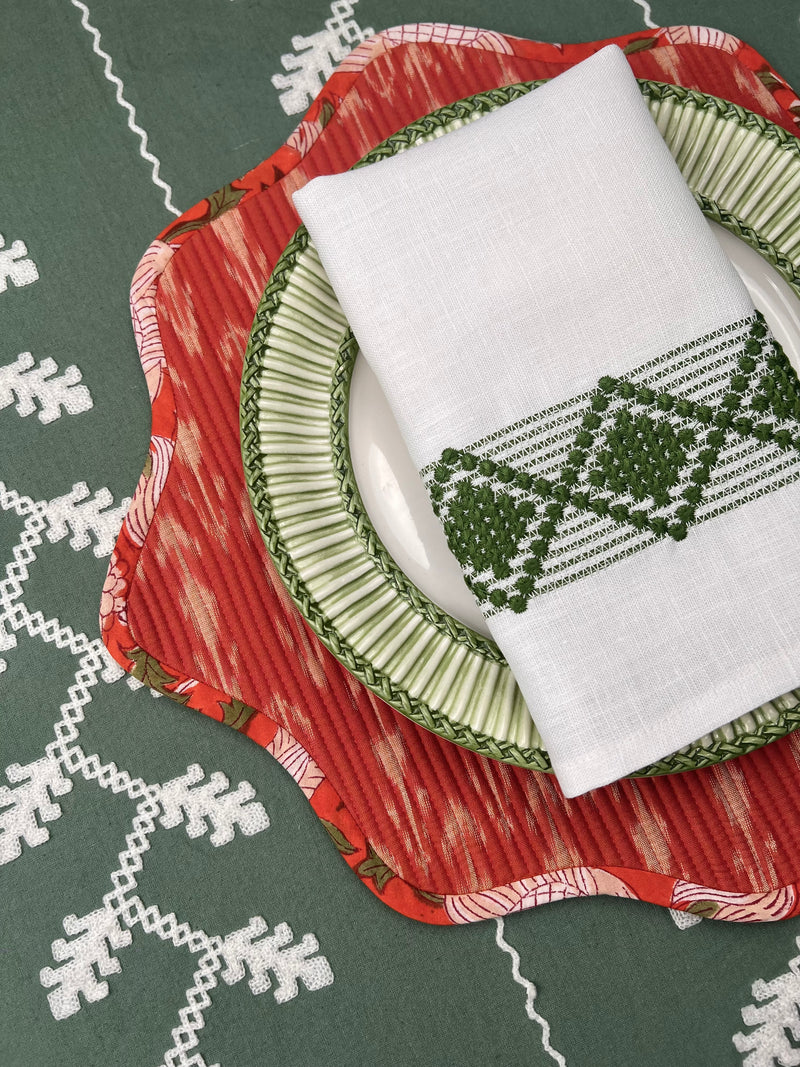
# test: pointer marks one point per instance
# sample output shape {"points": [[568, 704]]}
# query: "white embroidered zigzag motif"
{"points": [[263, 954], [684, 920], [530, 993], [82, 959], [648, 15], [42, 389], [14, 613], [109, 926], [29, 804], [14, 265], [84, 513], [123, 103], [87, 956], [776, 1018], [317, 58]]}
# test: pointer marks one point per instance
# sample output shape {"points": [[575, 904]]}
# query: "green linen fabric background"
{"points": [[589, 983]]}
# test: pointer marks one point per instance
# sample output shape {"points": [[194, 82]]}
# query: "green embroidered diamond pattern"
{"points": [[642, 458], [779, 389], [493, 528]]}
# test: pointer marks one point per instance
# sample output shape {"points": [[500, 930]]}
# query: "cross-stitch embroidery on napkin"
{"points": [[647, 455]]}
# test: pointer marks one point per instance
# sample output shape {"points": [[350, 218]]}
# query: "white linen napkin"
{"points": [[606, 428]]}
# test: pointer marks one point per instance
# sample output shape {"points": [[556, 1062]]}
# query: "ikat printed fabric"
{"points": [[631, 839]]}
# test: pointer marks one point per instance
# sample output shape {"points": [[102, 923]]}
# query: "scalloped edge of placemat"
{"points": [[350, 840]]}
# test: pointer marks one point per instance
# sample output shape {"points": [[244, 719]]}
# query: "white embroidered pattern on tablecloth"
{"points": [[42, 390], [315, 57], [87, 957], [15, 265], [775, 1018]]}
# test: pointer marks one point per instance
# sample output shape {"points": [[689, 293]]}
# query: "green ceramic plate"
{"points": [[443, 674]]}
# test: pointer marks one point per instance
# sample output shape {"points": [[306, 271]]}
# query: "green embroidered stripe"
{"points": [[648, 455]]}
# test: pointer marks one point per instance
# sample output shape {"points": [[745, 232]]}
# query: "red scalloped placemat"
{"points": [[193, 606]]}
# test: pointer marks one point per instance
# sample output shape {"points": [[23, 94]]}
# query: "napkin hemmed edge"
{"points": [[745, 689]]}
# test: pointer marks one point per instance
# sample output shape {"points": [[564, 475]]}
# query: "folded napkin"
{"points": [[605, 425]]}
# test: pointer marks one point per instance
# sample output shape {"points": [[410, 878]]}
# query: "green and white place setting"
{"points": [[326, 467]]}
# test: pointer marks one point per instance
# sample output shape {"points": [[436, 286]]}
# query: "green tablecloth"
{"points": [[616, 982]]}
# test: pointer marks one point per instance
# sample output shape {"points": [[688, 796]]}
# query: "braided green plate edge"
{"points": [[729, 174]]}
